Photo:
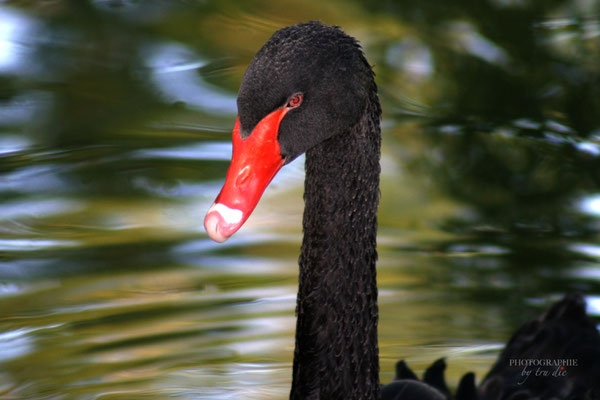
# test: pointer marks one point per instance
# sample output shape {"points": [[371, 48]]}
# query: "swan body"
{"points": [[564, 332]]}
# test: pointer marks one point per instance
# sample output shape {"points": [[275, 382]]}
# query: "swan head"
{"points": [[308, 83]]}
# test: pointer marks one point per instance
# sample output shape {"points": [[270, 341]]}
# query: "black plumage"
{"points": [[564, 333], [326, 66]]}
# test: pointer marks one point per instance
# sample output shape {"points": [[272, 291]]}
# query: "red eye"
{"points": [[295, 101]]}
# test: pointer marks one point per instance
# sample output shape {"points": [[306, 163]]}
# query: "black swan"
{"points": [[310, 90]]}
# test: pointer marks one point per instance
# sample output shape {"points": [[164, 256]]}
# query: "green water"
{"points": [[115, 120]]}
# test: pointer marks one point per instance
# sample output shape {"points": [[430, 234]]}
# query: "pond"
{"points": [[115, 129]]}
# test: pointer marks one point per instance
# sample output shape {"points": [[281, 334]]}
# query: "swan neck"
{"points": [[336, 352]]}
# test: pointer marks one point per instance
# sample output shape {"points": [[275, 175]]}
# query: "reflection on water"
{"points": [[115, 120], [174, 72], [13, 51]]}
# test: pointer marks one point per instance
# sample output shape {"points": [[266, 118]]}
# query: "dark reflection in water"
{"points": [[512, 132], [115, 118]]}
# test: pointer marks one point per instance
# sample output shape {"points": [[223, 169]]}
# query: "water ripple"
{"points": [[35, 244]]}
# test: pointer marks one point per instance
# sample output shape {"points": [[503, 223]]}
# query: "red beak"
{"points": [[255, 161]]}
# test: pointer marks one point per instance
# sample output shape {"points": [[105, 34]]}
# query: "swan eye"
{"points": [[295, 101]]}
